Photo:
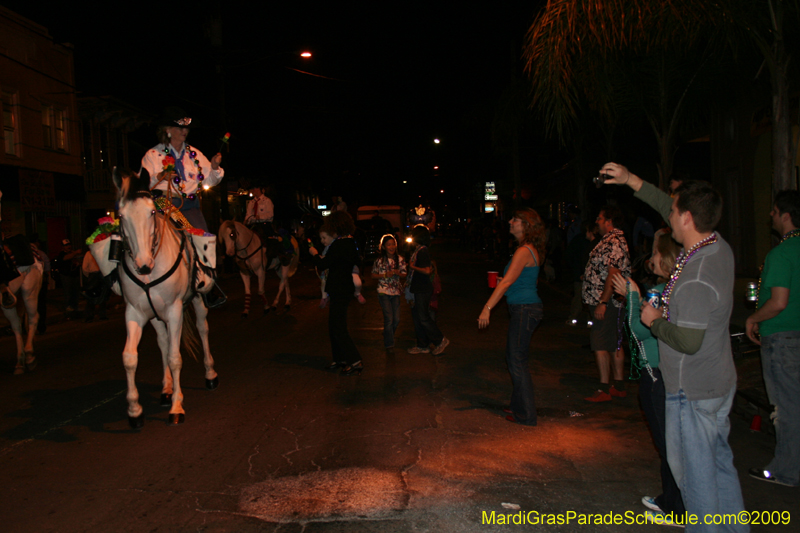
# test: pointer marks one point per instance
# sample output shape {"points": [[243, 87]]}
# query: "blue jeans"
{"points": [[524, 319], [391, 317], [701, 459], [424, 326], [780, 361]]}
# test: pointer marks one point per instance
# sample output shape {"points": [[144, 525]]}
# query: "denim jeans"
{"points": [[391, 317], [653, 398], [780, 361], [524, 319], [425, 328], [701, 459]]}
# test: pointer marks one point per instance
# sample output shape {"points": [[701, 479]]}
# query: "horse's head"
{"points": [[137, 216], [227, 234]]}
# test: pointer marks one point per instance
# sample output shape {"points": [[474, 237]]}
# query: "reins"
{"points": [[246, 246], [160, 239]]}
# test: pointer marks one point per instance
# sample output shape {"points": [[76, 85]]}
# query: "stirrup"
{"points": [[216, 300]]}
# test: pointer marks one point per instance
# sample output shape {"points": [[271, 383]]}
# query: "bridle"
{"points": [[155, 241], [235, 237], [155, 247]]}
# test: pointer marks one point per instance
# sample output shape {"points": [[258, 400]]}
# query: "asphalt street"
{"points": [[416, 443]]}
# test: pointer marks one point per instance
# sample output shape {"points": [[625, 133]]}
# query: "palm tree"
{"points": [[573, 45]]}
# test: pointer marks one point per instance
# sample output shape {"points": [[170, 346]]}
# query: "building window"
{"points": [[54, 128], [10, 122]]}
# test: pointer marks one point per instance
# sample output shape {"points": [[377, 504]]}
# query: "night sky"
{"points": [[387, 79]]}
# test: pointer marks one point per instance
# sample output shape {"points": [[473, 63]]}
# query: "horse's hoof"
{"points": [[245, 315], [175, 419], [271, 309], [287, 309], [166, 400], [136, 422], [19, 369], [212, 384]]}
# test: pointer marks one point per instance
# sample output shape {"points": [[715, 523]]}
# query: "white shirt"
{"points": [[152, 161], [259, 210]]}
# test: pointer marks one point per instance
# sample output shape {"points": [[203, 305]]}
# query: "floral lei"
{"points": [[787, 236], [107, 226], [169, 166], [683, 258]]}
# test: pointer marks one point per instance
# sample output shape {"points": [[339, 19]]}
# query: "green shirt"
{"points": [[642, 332], [782, 269]]}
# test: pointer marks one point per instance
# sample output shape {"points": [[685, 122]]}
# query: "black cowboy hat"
{"points": [[175, 117]]}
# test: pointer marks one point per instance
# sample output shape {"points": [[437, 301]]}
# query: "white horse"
{"points": [[26, 288], [253, 258], [156, 277]]}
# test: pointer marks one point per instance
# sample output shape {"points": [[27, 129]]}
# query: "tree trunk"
{"points": [[782, 164]]}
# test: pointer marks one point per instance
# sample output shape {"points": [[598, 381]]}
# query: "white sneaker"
{"points": [[659, 518], [650, 503]]}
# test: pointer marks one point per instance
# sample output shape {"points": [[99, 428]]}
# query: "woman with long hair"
{"points": [[388, 269], [519, 285], [651, 385]]}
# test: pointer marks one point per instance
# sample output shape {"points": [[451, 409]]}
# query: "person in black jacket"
{"points": [[342, 256]]}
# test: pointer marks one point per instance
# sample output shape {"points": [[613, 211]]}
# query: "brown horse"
{"points": [[254, 258]]}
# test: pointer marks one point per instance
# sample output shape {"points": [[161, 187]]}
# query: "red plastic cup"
{"points": [[492, 279], [755, 424]]}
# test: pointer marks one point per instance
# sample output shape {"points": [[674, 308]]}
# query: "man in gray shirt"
{"points": [[695, 350]]}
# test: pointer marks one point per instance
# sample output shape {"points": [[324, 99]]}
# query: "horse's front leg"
{"points": [[283, 273], [16, 326], [261, 273], [163, 344], [201, 312], [130, 359], [175, 327], [246, 280], [31, 295]]}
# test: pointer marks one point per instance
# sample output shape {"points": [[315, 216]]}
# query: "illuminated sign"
{"points": [[492, 197], [326, 213], [322, 207]]}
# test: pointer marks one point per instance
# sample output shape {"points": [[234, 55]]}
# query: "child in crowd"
{"points": [[327, 240], [388, 269]]}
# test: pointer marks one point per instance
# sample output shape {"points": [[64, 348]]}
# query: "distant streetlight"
{"points": [[405, 181], [436, 141], [305, 54], [442, 191], [436, 167]]}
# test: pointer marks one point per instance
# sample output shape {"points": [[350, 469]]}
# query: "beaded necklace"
{"points": [[178, 180], [683, 258], [786, 237]]}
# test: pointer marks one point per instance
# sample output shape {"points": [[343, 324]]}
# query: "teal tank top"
{"points": [[524, 290]]}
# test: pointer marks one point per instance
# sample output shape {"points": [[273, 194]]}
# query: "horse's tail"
{"points": [[295, 258], [190, 337]]}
